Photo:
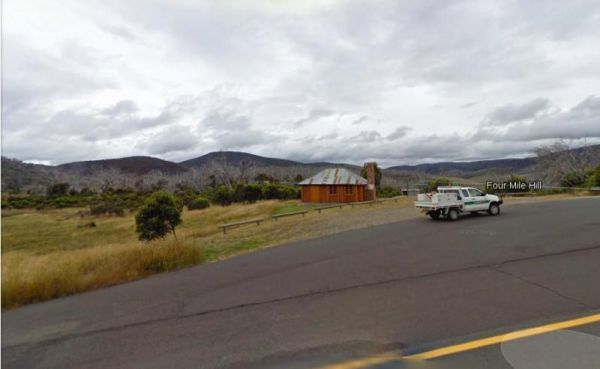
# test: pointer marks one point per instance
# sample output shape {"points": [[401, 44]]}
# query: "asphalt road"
{"points": [[403, 287]]}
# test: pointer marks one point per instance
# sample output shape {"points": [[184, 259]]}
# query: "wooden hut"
{"points": [[335, 185]]}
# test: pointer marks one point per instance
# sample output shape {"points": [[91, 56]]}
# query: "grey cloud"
{"points": [[588, 107], [240, 140], [246, 71], [80, 55], [314, 115], [51, 148], [34, 77], [329, 136], [175, 138], [122, 107], [583, 120], [468, 105], [398, 133], [366, 136], [226, 120], [90, 126], [360, 120], [117, 30], [513, 113], [227, 127]]}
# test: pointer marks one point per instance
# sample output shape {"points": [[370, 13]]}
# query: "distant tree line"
{"points": [[110, 201]]}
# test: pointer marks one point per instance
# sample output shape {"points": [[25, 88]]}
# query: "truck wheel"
{"points": [[452, 214], [494, 209], [435, 215]]}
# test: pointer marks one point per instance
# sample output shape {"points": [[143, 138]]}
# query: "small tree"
{"points": [[198, 203], [389, 192], [572, 179], [159, 215], [593, 178], [271, 191], [223, 196], [58, 189], [252, 193], [433, 184]]}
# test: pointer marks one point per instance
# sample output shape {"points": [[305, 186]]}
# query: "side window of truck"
{"points": [[475, 192], [465, 193]]}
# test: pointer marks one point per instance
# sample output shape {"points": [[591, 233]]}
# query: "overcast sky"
{"points": [[400, 82]]}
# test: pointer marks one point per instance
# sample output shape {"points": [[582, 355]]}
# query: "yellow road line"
{"points": [[363, 363], [467, 346], [505, 337]]}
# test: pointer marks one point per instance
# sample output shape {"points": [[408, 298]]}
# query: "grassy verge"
{"points": [[52, 253], [28, 278]]}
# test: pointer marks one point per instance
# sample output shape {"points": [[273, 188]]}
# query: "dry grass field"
{"points": [[52, 253]]}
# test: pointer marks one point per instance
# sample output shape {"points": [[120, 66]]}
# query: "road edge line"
{"points": [[489, 341], [467, 346]]}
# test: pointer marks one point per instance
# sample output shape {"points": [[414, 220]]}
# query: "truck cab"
{"points": [[472, 198]]}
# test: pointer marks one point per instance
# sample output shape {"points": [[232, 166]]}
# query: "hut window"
{"points": [[349, 190], [332, 190]]}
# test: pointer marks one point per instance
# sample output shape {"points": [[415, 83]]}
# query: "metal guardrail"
{"points": [[277, 216], [352, 204], [229, 225], [329, 207]]}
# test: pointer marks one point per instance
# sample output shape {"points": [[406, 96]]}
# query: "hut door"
{"points": [[314, 193]]}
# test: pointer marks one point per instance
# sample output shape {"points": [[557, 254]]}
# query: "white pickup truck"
{"points": [[450, 201]]}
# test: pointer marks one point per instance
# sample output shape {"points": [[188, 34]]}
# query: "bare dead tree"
{"points": [[559, 158], [244, 171]]}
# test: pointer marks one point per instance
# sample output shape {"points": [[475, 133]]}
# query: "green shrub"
{"points": [[58, 189], [433, 184], [198, 203], [87, 192], [281, 192], [271, 191], [388, 192], [222, 195], [573, 179], [186, 194], [593, 177], [159, 215], [252, 193], [238, 192]]}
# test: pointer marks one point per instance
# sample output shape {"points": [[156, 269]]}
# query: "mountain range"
{"points": [[470, 168], [17, 175]]}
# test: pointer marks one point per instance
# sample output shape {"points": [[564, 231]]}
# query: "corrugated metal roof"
{"points": [[341, 176]]}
